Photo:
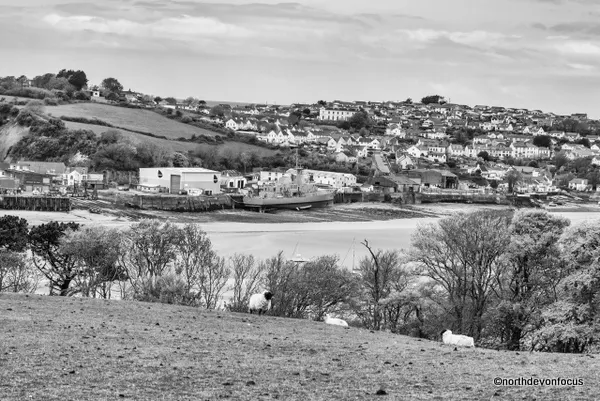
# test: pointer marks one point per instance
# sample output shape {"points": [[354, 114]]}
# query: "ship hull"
{"points": [[295, 202]]}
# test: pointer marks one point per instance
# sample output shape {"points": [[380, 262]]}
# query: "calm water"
{"points": [[316, 239]]}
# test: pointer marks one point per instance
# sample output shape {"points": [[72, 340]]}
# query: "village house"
{"points": [[578, 184]]}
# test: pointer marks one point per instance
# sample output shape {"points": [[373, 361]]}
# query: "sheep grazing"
{"points": [[335, 321], [260, 303], [457, 339]]}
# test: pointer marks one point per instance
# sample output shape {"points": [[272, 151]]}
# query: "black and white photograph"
{"points": [[299, 200]]}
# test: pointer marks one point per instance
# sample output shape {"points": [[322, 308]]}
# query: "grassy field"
{"points": [[175, 145], [135, 119], [54, 348], [135, 137]]}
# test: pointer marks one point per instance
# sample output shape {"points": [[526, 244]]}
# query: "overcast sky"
{"points": [[541, 54]]}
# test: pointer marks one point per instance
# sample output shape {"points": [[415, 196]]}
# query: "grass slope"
{"points": [[54, 348], [135, 119], [175, 145], [134, 137]]}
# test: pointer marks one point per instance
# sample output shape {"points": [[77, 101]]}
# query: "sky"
{"points": [[537, 54]]}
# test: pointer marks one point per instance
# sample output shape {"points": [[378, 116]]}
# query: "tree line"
{"points": [[514, 280]]}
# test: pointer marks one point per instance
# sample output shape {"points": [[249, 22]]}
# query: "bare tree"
{"points": [[17, 274], [246, 278], [150, 250], [380, 275], [203, 272], [213, 281], [463, 254]]}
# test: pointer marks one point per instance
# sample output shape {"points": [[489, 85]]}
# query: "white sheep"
{"points": [[457, 339], [260, 303], [335, 321]]}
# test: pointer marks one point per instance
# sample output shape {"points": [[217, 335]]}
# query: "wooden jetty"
{"points": [[37, 203]]}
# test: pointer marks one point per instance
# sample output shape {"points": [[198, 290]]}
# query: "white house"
{"points": [[335, 114]]}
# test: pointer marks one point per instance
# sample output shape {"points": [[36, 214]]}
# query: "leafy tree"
{"points": [[13, 234], [110, 137], [180, 160], [532, 274], [48, 257], [171, 100], [484, 155], [542, 141], [463, 255], [560, 159], [152, 155], [359, 120], [295, 117], [42, 81], [217, 111], [112, 96], [512, 177], [158, 99], [96, 250], [322, 103], [190, 100], [571, 323], [76, 78], [436, 99], [112, 85], [585, 142], [408, 101], [118, 156]]}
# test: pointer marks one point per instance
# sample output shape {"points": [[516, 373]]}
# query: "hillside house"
{"points": [[578, 184]]}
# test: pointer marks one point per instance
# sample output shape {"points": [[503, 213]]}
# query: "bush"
{"points": [[35, 93], [167, 289], [81, 96], [50, 101], [186, 119], [83, 120]]}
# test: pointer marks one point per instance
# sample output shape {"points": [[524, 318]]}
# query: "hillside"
{"points": [[134, 119], [134, 137], [175, 145], [96, 349], [9, 135]]}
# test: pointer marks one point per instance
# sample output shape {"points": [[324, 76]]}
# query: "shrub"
{"points": [[35, 93], [50, 101], [186, 119], [80, 96], [167, 289]]}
